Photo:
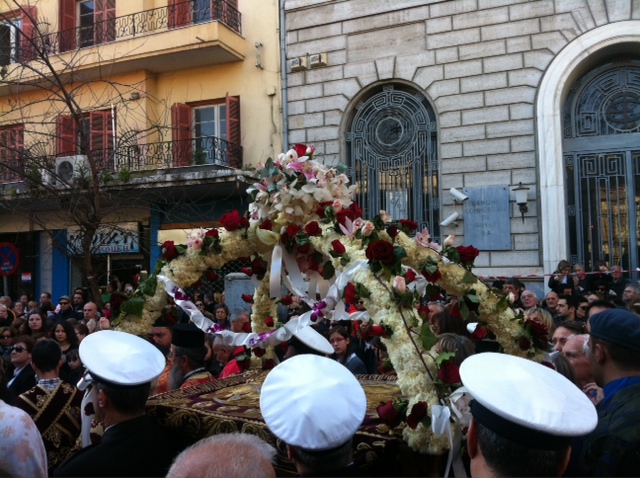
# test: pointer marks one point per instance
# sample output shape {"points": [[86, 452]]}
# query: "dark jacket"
{"points": [[136, 447], [25, 380]]}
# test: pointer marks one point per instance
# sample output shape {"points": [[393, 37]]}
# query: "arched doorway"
{"points": [[601, 153], [392, 151]]}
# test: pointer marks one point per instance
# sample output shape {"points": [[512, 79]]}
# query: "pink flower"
{"points": [[367, 228], [424, 239], [337, 206], [448, 242], [399, 284], [197, 244], [384, 216]]}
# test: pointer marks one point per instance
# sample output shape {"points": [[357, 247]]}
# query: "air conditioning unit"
{"points": [[48, 179], [298, 64], [69, 168], [317, 60]]}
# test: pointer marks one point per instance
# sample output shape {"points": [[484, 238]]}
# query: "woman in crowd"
{"points": [[222, 316], [6, 338], [65, 335], [36, 324], [81, 331], [341, 342]]}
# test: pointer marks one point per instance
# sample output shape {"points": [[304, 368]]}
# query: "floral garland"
{"points": [[304, 211]]}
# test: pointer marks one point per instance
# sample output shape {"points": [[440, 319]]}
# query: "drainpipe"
{"points": [[283, 75]]}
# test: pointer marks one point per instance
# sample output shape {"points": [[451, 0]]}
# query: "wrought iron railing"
{"points": [[171, 17], [172, 154]]}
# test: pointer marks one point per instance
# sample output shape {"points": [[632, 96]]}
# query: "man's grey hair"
{"points": [[237, 314], [229, 454]]}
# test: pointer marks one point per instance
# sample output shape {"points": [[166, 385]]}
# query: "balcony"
{"points": [[144, 160], [171, 38]]}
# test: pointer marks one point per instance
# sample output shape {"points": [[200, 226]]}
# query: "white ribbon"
{"points": [[276, 272], [441, 425]]}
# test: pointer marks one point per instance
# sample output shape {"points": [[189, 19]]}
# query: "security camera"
{"points": [[457, 195], [450, 219]]}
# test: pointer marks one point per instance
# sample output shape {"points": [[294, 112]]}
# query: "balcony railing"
{"points": [[180, 15], [172, 154], [207, 150]]}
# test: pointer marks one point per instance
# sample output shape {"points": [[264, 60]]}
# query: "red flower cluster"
{"points": [[418, 412], [350, 294], [381, 251], [409, 276], [247, 298], [313, 229], [353, 212], [467, 254], [266, 225], [389, 414], [408, 226], [449, 373], [169, 250], [433, 278], [211, 233], [269, 322], [233, 221], [338, 247]]}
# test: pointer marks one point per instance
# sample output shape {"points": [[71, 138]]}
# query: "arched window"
{"points": [[392, 151], [601, 148]]}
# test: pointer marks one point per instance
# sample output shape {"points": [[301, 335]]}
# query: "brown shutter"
{"points": [[104, 18], [67, 25], [11, 149], [179, 13], [101, 138], [29, 32], [181, 134], [65, 136], [234, 154]]}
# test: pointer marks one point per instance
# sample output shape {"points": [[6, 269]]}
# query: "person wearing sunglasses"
{"points": [[66, 310], [6, 337], [24, 377]]}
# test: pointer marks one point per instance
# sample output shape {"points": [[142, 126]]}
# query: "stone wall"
{"points": [[479, 62]]}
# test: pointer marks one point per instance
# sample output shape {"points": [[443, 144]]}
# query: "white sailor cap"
{"points": [[311, 338], [312, 402], [525, 401], [119, 358]]}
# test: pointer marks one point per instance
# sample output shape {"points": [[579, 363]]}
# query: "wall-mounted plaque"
{"points": [[487, 218]]}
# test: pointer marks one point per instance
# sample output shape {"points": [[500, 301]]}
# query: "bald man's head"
{"points": [[231, 454]]}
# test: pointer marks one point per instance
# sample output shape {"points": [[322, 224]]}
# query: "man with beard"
{"points": [[187, 356]]}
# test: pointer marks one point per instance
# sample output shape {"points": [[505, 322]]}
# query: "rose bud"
{"points": [[268, 322], [389, 414]]}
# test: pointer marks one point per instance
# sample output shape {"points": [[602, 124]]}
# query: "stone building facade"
{"points": [[418, 97]]}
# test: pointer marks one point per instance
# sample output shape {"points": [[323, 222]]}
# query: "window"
{"points": [[17, 35], [97, 127], [11, 152], [207, 134], [186, 12], [86, 23]]}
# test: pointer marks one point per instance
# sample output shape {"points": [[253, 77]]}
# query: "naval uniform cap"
{"points": [[312, 338], [312, 402], [120, 358], [526, 402]]}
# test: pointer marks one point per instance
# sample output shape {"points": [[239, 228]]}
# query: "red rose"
{"points": [[350, 294], [418, 412], [211, 233], [377, 331], [258, 351], [449, 373], [304, 249], [313, 229], [300, 149], [232, 221], [286, 300], [392, 230], [338, 247], [389, 414], [268, 321], [293, 230], [480, 332], [539, 333], [467, 253], [410, 276], [246, 328], [423, 312], [353, 212], [258, 267], [247, 270], [409, 226], [433, 278], [266, 225], [320, 211], [247, 298], [313, 263], [212, 276], [169, 250], [524, 343], [268, 364], [381, 251]]}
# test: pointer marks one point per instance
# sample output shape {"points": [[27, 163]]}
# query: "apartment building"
{"points": [[152, 111], [495, 98]]}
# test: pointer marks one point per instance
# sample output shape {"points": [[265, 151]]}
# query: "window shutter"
{"points": [[179, 13], [67, 25], [11, 147], [234, 154], [101, 138], [104, 18], [28, 36], [65, 136], [181, 134]]}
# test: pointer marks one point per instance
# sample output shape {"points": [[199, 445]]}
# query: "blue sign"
{"points": [[9, 259]]}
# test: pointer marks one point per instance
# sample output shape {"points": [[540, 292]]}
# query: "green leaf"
{"points": [[148, 287], [464, 310], [444, 356], [431, 266], [469, 278], [341, 168], [328, 271], [133, 306], [427, 337]]}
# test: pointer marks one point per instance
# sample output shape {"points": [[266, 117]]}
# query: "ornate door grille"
{"points": [[392, 149], [602, 164]]}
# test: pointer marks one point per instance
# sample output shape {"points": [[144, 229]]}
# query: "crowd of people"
{"points": [[592, 324]]}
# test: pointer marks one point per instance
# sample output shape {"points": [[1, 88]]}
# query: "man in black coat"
{"points": [[24, 377], [120, 369]]}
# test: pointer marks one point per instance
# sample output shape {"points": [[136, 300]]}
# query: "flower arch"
{"points": [[305, 231]]}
